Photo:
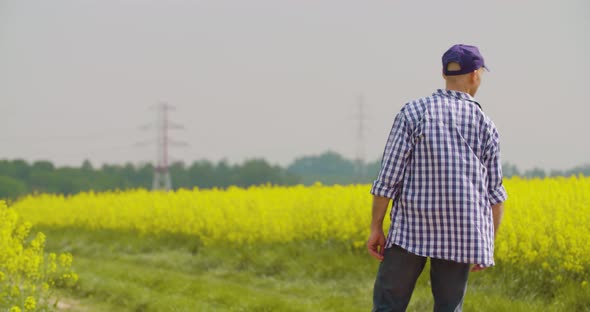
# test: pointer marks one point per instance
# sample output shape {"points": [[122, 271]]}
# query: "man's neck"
{"points": [[463, 89]]}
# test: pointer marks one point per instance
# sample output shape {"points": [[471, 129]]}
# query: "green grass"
{"points": [[127, 272]]}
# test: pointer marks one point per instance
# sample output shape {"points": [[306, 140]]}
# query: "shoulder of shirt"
{"points": [[415, 109]]}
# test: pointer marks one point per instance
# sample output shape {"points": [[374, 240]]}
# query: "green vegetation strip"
{"points": [[127, 272]]}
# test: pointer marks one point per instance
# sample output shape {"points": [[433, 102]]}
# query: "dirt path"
{"points": [[71, 305]]}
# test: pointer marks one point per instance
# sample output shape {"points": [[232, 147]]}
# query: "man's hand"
{"points": [[376, 244], [477, 268]]}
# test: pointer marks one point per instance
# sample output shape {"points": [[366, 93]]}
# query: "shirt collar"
{"points": [[456, 94]]}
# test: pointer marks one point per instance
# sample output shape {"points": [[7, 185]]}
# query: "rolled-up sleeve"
{"points": [[496, 191], [395, 159]]}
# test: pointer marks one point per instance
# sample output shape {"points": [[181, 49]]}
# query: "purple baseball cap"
{"points": [[467, 56]]}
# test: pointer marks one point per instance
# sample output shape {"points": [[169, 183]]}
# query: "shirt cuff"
{"points": [[381, 189], [498, 195]]}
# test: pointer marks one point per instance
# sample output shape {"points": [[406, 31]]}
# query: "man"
{"points": [[441, 168]]}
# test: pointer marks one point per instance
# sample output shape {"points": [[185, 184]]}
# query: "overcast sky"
{"points": [[281, 79]]}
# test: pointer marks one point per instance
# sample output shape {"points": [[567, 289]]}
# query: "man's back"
{"points": [[441, 159]]}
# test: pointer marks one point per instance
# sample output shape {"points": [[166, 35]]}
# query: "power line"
{"points": [[361, 117], [95, 135], [162, 178]]}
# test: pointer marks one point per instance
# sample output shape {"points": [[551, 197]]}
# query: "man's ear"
{"points": [[473, 76]]}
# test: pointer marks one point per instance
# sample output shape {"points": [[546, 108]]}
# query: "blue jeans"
{"points": [[397, 277]]}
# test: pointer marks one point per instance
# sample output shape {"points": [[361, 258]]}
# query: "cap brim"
{"points": [[486, 68]]}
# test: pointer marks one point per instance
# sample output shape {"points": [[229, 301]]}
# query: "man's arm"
{"points": [[376, 242], [497, 213], [395, 159], [496, 191]]}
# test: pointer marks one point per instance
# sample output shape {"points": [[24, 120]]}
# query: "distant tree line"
{"points": [[331, 168], [17, 177], [511, 170]]}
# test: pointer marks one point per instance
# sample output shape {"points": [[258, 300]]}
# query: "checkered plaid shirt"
{"points": [[441, 166]]}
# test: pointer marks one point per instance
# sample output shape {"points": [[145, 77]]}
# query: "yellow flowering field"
{"points": [[546, 224], [27, 274]]}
